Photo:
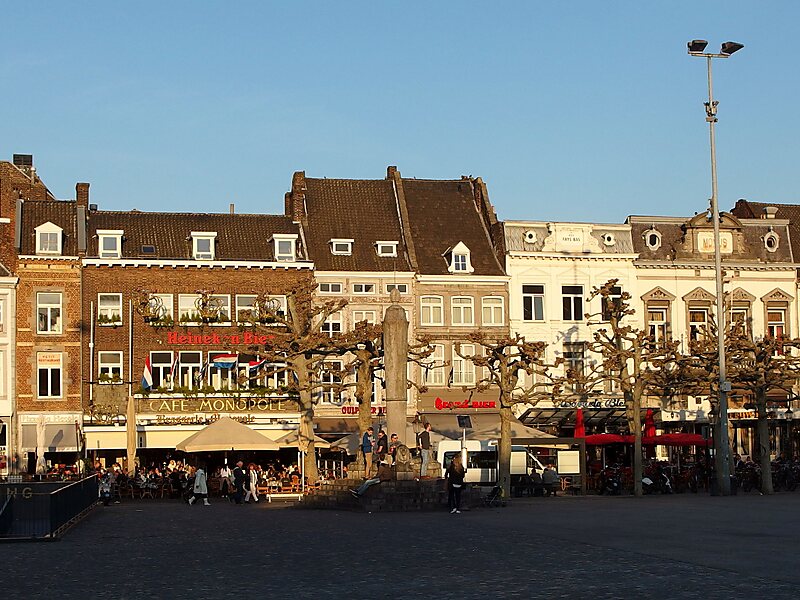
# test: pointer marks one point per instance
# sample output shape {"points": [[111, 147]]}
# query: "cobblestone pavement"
{"points": [[656, 547]]}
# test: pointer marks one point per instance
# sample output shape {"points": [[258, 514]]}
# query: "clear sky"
{"points": [[586, 111]]}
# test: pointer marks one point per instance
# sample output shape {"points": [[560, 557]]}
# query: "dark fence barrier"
{"points": [[41, 510]]}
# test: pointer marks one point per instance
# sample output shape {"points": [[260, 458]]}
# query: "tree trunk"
{"points": [[301, 368], [504, 451], [635, 423], [364, 397], [762, 434]]}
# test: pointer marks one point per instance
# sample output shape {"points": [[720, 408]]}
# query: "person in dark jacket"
{"points": [[384, 474], [455, 483], [239, 479], [381, 445], [367, 445]]}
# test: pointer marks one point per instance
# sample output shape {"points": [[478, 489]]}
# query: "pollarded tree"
{"points": [[630, 361], [365, 358], [503, 362]]}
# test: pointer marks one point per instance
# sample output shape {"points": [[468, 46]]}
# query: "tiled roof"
{"points": [[58, 212], [745, 209], [441, 214], [239, 236], [358, 209], [516, 240]]}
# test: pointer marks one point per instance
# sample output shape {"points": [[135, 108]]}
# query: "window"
{"points": [[48, 238], [161, 364], [203, 245], [2, 316], [739, 317], [330, 288], [187, 309], [776, 323], [222, 303], [698, 323], [431, 310], [433, 367], [574, 364], [460, 259], [652, 239], [285, 246], [533, 303], [613, 300], [400, 287], [462, 310], [459, 262], [463, 369], [572, 302], [386, 248], [771, 241], [222, 371], [492, 310], [165, 308], [48, 312], [189, 370], [363, 315], [331, 380], [109, 309], [109, 367], [109, 242], [339, 246], [48, 366], [244, 308], [332, 325], [657, 323], [363, 288]]}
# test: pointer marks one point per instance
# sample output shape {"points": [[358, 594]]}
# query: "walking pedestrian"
{"points": [[200, 488], [455, 483], [424, 445], [251, 483], [367, 445], [239, 479]]}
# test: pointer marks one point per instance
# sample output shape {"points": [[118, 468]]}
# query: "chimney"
{"points": [[295, 201], [391, 171], [82, 194], [769, 212], [233, 208]]}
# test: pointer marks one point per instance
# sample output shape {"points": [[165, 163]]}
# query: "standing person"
{"points": [[251, 483], [550, 479], [200, 487], [455, 483], [424, 445], [381, 445], [239, 479], [394, 443], [225, 475], [367, 445]]}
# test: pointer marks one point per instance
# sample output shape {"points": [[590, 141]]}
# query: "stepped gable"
{"points": [[362, 210], [240, 237], [443, 213], [58, 212]]}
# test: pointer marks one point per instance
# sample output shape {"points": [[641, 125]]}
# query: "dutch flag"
{"points": [[173, 372], [224, 361], [254, 365], [147, 375]]}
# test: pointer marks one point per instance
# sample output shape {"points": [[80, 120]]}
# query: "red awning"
{"points": [[602, 439]]}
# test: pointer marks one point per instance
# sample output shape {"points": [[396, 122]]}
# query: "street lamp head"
{"points": [[731, 47], [697, 46]]}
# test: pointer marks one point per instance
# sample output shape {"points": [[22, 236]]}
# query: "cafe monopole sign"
{"points": [[214, 405], [608, 403]]}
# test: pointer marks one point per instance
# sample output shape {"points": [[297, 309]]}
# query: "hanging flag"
{"points": [[254, 365], [147, 375], [200, 375], [224, 361], [173, 372]]}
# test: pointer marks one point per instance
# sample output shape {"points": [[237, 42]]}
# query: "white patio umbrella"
{"points": [[41, 448]]}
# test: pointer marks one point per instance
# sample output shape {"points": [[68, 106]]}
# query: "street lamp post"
{"points": [[722, 442]]}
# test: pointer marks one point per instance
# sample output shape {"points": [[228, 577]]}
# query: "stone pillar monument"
{"points": [[395, 349]]}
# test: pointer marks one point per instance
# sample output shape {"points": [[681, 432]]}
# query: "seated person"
{"points": [[550, 480], [384, 474]]}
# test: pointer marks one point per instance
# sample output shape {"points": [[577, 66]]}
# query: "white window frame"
{"points": [[341, 246], [364, 288], [495, 307], [536, 300], [104, 235], [52, 310], [289, 252], [326, 377], [386, 248], [575, 300], [109, 363], [192, 312], [433, 367], [460, 259], [327, 287], [697, 330], [218, 378], [428, 310], [113, 315], [370, 316], [161, 370], [189, 370], [245, 303], [401, 287], [209, 236], [49, 229], [167, 308], [463, 368], [332, 325], [225, 310], [2, 315], [657, 328], [50, 369], [462, 310]]}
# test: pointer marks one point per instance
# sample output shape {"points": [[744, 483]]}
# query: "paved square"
{"points": [[680, 546]]}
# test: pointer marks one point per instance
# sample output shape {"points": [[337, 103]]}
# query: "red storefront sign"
{"points": [[353, 410], [462, 404], [215, 339]]}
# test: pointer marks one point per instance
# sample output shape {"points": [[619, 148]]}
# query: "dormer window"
{"points": [[109, 243], [771, 241], [203, 245], [386, 248], [48, 238], [285, 246], [343, 247], [460, 259], [652, 238]]}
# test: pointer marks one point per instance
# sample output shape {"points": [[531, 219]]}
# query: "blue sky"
{"points": [[586, 111]]}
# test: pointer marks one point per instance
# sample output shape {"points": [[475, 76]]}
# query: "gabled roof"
{"points": [[363, 210], [240, 237], [442, 213], [61, 213], [745, 209]]}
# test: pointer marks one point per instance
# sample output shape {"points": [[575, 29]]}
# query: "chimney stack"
{"points": [[391, 171], [295, 201], [233, 208], [770, 212], [82, 194]]}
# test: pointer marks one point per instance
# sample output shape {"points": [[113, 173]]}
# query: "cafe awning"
{"points": [[554, 416], [226, 434], [292, 440], [58, 437], [485, 426]]}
